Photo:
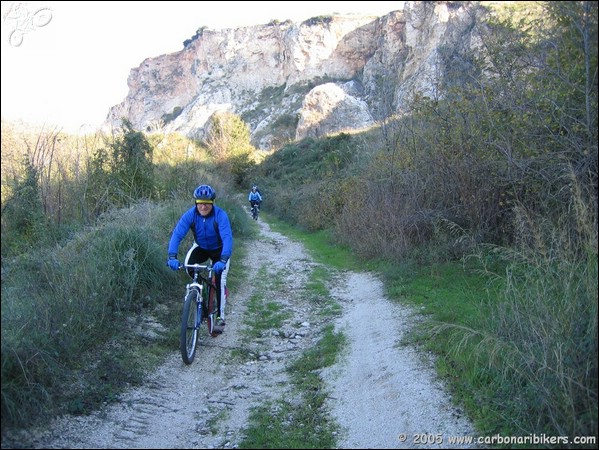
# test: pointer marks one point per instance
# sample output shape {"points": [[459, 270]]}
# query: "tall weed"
{"points": [[59, 303], [539, 344]]}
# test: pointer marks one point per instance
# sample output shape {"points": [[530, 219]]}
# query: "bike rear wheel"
{"points": [[212, 307], [190, 322]]}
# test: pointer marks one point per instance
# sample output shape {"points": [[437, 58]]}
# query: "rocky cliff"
{"points": [[288, 81]]}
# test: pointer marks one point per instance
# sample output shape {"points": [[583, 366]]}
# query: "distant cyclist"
{"points": [[255, 198], [213, 239]]}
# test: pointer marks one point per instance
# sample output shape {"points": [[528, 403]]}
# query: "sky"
{"points": [[66, 63]]}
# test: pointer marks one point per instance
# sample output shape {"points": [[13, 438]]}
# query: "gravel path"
{"points": [[387, 395], [380, 391]]}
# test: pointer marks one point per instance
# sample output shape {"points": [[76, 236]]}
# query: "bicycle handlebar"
{"points": [[196, 266]]}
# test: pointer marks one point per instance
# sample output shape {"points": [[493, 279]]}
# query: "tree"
{"points": [[22, 213], [228, 139], [122, 173], [132, 165]]}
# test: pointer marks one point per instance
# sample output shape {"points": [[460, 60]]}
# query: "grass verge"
{"points": [[300, 420]]}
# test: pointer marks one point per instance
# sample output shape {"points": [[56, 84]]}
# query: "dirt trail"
{"points": [[379, 389]]}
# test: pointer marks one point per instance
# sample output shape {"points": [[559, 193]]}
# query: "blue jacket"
{"points": [[255, 196], [204, 231]]}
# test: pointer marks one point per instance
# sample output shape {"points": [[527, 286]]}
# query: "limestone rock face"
{"points": [[288, 81], [330, 108]]}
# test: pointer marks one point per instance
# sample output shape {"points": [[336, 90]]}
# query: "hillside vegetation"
{"points": [[480, 206]]}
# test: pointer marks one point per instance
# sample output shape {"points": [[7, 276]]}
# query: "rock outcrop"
{"points": [[288, 81]]}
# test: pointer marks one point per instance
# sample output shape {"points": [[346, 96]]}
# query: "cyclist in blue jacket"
{"points": [[213, 239], [255, 198]]}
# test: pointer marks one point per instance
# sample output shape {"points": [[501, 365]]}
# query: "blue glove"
{"points": [[219, 267], [173, 264]]}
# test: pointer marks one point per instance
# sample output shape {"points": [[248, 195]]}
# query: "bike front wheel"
{"points": [[190, 322]]}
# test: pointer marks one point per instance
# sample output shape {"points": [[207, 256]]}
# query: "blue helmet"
{"points": [[204, 193]]}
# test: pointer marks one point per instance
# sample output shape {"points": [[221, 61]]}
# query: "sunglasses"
{"points": [[204, 202]]}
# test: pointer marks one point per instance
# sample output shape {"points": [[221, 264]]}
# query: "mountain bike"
{"points": [[255, 211], [199, 306]]}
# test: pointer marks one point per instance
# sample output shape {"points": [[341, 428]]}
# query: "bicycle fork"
{"points": [[199, 302]]}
